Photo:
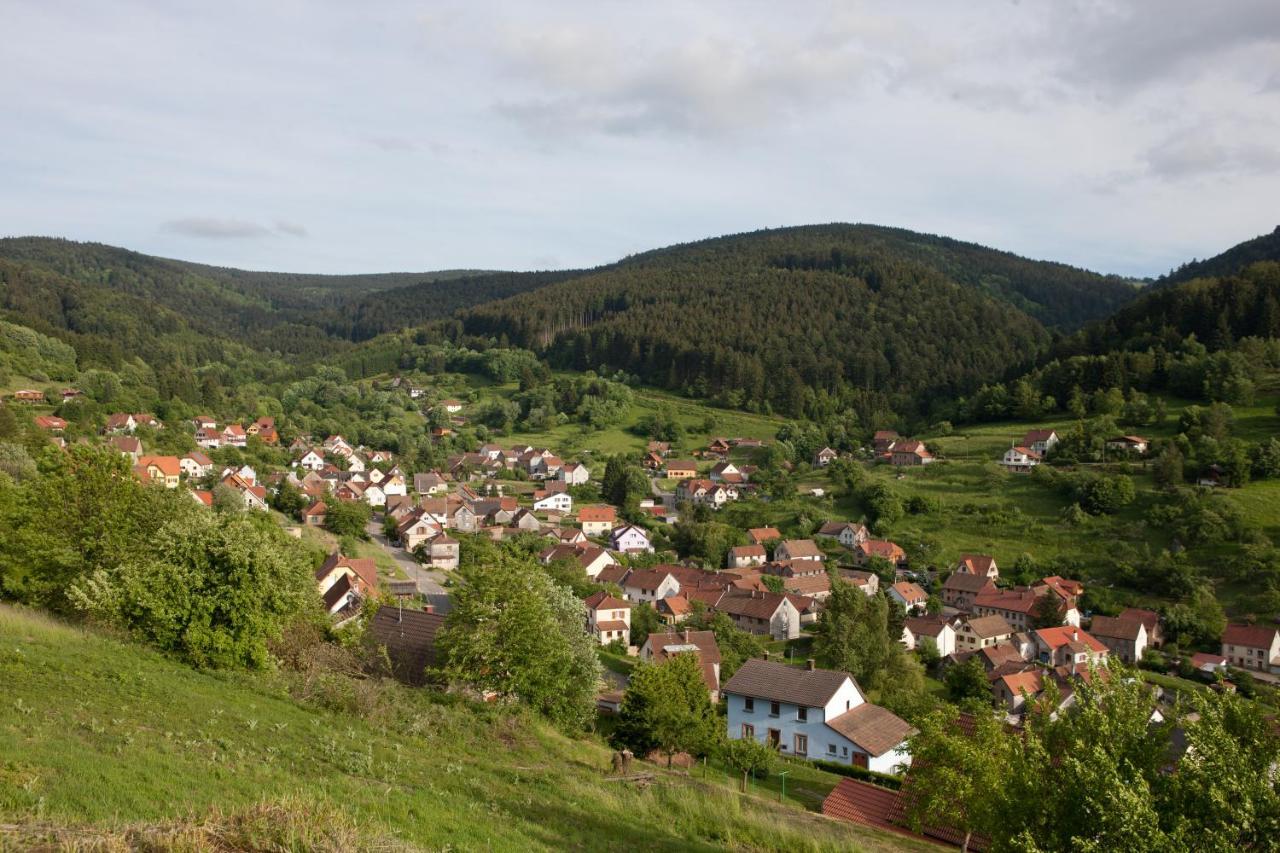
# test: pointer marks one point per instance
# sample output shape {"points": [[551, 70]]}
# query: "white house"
{"points": [[912, 598], [574, 474], [935, 628], [553, 502], [196, 464], [846, 533], [608, 618], [649, 585], [797, 549], [630, 539], [814, 713], [1040, 441], [597, 520], [393, 485], [312, 460], [1020, 460]]}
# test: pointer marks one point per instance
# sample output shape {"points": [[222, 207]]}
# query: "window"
{"points": [[748, 731], [748, 704], [844, 750], [774, 709], [802, 714], [831, 749], [802, 744]]}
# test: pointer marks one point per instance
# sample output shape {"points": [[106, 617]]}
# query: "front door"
{"points": [[859, 759], [775, 738]]}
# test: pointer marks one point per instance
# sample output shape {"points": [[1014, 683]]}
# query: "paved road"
{"points": [[428, 581]]}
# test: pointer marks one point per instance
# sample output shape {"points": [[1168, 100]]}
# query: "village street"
{"points": [[429, 582]]}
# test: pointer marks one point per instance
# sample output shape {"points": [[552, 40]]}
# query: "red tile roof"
{"points": [[1253, 636]]}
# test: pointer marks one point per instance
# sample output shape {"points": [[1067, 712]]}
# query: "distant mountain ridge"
{"points": [[1265, 247]]}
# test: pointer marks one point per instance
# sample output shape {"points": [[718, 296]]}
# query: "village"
{"points": [[1027, 641]]}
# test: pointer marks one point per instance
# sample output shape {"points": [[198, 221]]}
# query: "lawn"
{"points": [[97, 735]]}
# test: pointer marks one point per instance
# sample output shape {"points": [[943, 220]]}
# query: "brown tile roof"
{"points": [[1149, 618], [1066, 634], [1254, 636], [604, 601], [800, 548], [911, 593], [870, 805], [977, 563], [925, 626], [964, 582], [761, 535], [1013, 600], [612, 625], [747, 551], [989, 626], [1116, 628], [409, 637], [777, 682], [757, 605], [597, 513], [876, 730], [808, 584], [364, 567]]}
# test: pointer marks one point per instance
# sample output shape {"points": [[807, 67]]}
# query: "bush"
{"points": [[884, 780]]}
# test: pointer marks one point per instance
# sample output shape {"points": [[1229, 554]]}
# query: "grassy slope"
{"points": [[98, 732]]}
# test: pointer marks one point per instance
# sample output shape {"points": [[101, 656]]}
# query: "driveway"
{"points": [[428, 581]]}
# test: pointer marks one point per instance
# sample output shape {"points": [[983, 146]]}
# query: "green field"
{"points": [[99, 737]]}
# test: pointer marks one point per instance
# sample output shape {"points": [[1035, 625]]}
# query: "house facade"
{"points": [[1252, 647], [815, 714]]}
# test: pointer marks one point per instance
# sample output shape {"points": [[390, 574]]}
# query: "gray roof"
{"points": [[777, 682]]}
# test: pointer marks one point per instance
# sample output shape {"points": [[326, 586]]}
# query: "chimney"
{"points": [[686, 635], [1075, 635], [809, 664], [430, 608]]}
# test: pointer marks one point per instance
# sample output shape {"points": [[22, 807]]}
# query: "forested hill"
{"points": [[1263, 248], [80, 286], [806, 319]]}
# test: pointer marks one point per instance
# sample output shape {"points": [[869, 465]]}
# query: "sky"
{"points": [[343, 137]]}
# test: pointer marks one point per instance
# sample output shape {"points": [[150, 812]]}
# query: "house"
{"points": [[408, 636], [764, 535], [1252, 647], [814, 713], [50, 423], [718, 447], [649, 584], [29, 396], [430, 483], [727, 472], [825, 457], [630, 539], [392, 485], [120, 422], [209, 439], [196, 464], [978, 632], [759, 612], [910, 453], [1020, 460], [883, 441], [680, 469], [661, 448], [960, 589], [314, 515], [797, 549], [233, 435], [544, 501], [443, 551], [1150, 620], [608, 618], [574, 474], [1126, 638], [1039, 441], [361, 573], [1132, 444], [910, 596], [416, 528], [597, 520], [706, 493], [451, 406], [887, 809], [592, 558], [744, 556], [162, 470], [935, 628], [978, 564], [203, 496], [1017, 605], [662, 646], [868, 548], [868, 582], [128, 446], [846, 533], [1209, 664], [1068, 646]]}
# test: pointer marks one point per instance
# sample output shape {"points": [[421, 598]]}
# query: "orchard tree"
{"points": [[667, 707]]}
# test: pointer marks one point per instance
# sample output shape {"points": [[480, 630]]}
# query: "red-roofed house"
{"points": [[608, 618], [1068, 646], [743, 556], [1254, 647], [910, 453], [597, 520], [978, 564], [1020, 460], [763, 535], [880, 548], [910, 596], [50, 423], [1040, 441], [162, 470]]}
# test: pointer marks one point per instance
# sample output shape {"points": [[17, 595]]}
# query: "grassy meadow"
{"points": [[102, 742]]}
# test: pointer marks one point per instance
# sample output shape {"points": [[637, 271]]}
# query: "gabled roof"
{"points": [[747, 551], [777, 682], [761, 535], [363, 567], [987, 627], [1021, 600], [168, 465], [1254, 636], [964, 582], [604, 601], [1117, 628], [978, 563], [910, 592], [798, 548], [881, 548], [876, 730], [1034, 435], [645, 579], [409, 637], [199, 458], [1055, 638], [597, 513], [926, 626]]}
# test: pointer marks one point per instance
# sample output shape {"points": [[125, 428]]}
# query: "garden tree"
{"points": [[773, 583], [1198, 621], [882, 568], [708, 541], [955, 771], [16, 462], [667, 707], [226, 500], [348, 518], [1104, 495], [644, 620], [289, 500], [623, 483], [853, 635], [214, 589], [1046, 612], [1225, 795], [514, 631], [1024, 570], [967, 680], [84, 512], [1167, 469], [748, 756], [1266, 459]]}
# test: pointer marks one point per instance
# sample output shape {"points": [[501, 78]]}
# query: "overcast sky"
{"points": [[360, 137]]}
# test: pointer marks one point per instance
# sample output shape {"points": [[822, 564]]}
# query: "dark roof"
{"points": [[778, 682], [336, 591], [1117, 628], [965, 582], [1254, 636], [875, 729], [409, 637], [926, 626]]}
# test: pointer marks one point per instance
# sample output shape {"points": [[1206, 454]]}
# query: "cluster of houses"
{"points": [[210, 436], [334, 470], [1022, 457]]}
